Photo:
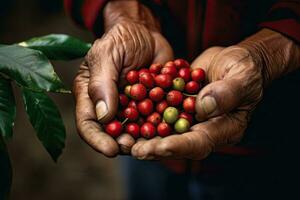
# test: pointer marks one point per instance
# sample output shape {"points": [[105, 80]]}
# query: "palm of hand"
{"points": [[124, 47], [235, 86]]}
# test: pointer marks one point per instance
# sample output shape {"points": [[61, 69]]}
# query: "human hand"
{"points": [[236, 77], [131, 40]]}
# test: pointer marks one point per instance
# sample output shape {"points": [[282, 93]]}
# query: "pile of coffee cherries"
{"points": [[159, 101]]}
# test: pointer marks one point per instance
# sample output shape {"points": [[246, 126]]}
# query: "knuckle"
{"points": [[100, 48], [213, 49], [126, 140]]}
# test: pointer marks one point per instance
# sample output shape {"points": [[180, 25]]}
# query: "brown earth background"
{"points": [[80, 173]]}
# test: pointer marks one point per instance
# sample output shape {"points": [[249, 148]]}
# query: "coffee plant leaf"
{"points": [[58, 46], [7, 109], [46, 120], [30, 69]]}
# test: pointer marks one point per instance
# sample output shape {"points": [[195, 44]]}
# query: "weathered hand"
{"points": [[127, 44], [235, 87], [236, 77]]}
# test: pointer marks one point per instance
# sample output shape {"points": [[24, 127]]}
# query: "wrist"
{"points": [[119, 11], [275, 54]]}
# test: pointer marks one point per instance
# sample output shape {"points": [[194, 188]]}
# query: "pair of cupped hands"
{"points": [[234, 86]]}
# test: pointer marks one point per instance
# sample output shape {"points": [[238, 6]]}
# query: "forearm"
{"points": [[117, 11], [276, 54]]}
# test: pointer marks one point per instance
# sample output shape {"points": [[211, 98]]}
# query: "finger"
{"points": [[103, 88], [219, 97], [89, 130], [138, 144], [140, 149], [198, 143], [125, 142]]}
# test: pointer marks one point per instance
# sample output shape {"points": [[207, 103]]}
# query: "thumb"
{"points": [[218, 97], [103, 89]]}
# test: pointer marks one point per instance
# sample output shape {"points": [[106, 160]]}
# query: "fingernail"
{"points": [[101, 109], [209, 104]]}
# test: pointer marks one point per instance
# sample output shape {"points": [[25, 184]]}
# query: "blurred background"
{"points": [[80, 173]]}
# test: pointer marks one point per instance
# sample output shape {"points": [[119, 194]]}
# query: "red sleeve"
{"points": [[86, 13], [284, 17]]}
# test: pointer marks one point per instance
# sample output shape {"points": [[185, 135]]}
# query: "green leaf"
{"points": [[7, 108], [29, 68], [46, 120], [5, 171], [58, 46]]}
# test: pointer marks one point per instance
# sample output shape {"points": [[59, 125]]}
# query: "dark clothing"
{"points": [[194, 25]]}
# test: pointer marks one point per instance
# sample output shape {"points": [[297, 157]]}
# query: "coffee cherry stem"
{"points": [[124, 121], [189, 95]]}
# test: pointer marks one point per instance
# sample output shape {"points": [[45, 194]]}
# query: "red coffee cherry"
{"points": [[138, 91], [132, 104], [181, 63], [143, 70], [133, 129], [185, 73], [171, 70], [123, 100], [131, 113], [155, 68], [189, 104], [145, 107], [164, 129], [148, 130], [156, 94], [161, 106], [146, 79], [174, 98], [192, 87], [163, 80], [132, 77], [170, 64], [198, 75], [154, 118], [114, 128], [153, 76]]}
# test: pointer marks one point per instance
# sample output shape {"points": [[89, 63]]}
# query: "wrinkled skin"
{"points": [[124, 47]]}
